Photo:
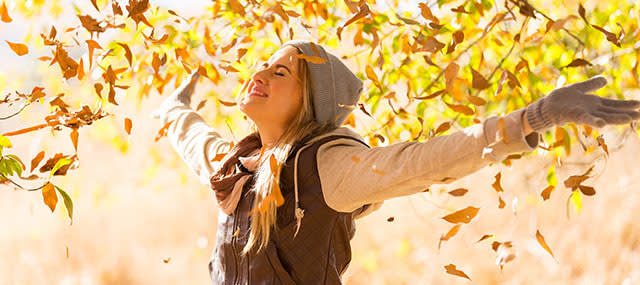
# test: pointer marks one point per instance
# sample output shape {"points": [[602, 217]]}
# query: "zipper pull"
{"points": [[299, 214]]}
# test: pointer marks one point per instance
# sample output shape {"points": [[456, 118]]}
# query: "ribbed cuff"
{"points": [[537, 118]]}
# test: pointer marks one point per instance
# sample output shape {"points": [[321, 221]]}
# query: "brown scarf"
{"points": [[228, 183]]}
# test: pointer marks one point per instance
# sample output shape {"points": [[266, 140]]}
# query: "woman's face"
{"points": [[274, 95]]}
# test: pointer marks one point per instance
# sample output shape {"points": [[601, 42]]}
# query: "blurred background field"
{"points": [[141, 217]]}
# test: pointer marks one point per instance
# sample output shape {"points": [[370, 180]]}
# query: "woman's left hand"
{"points": [[573, 104]]}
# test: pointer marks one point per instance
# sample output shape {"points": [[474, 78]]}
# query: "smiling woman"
{"points": [[289, 192]]}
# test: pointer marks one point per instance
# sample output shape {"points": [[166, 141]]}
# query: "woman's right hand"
{"points": [[182, 94]]}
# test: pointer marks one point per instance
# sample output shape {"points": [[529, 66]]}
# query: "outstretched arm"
{"points": [[194, 141], [353, 175]]}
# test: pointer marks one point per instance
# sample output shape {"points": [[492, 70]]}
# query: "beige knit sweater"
{"points": [[353, 175]]}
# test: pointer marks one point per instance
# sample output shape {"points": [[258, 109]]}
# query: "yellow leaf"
{"points": [[543, 243], [462, 216], [49, 195], [18, 48], [451, 269]]}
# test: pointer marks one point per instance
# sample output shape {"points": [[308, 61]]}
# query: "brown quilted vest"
{"points": [[320, 252]]}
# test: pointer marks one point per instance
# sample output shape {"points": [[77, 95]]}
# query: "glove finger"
{"points": [[633, 114], [591, 84], [613, 118], [592, 120], [626, 104]]}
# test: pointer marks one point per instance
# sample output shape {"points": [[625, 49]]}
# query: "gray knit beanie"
{"points": [[334, 88]]}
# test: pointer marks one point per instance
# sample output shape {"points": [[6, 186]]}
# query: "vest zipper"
{"points": [[233, 246]]}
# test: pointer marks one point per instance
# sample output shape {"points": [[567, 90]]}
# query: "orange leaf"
{"points": [[36, 160], [273, 163], [201, 104], [484, 237], [442, 128], [127, 125], [543, 243], [587, 190], [479, 82], [236, 7], [4, 13], [219, 157], [501, 203], [578, 62], [496, 184], [451, 269], [95, 5], [452, 232], [502, 130], [49, 195], [18, 48], [228, 104], [312, 58], [462, 216], [80, 70], [450, 74], [461, 109], [163, 131], [601, 143], [74, 138]]}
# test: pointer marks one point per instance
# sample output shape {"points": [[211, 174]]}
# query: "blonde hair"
{"points": [[303, 124]]}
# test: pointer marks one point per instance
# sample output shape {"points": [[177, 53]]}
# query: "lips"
{"points": [[258, 92]]}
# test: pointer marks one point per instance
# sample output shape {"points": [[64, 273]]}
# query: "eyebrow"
{"points": [[280, 65]]}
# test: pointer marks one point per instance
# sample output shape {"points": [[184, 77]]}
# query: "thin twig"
{"points": [[20, 186]]}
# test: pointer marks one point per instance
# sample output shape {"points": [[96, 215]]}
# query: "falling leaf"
{"points": [[611, 37], [219, 157], [484, 237], [18, 48], [587, 190], [127, 125], [426, 13], [578, 62], [228, 104], [460, 9], [456, 38], [273, 163], [547, 192], [602, 144], [442, 128], [543, 243], [95, 5], [501, 203], [582, 13], [166, 260], [74, 139], [236, 7], [458, 192], [60, 163], [4, 13], [450, 74], [36, 160], [363, 11], [575, 180], [502, 130], [496, 185], [452, 232], [462, 216], [127, 53], [390, 219], [80, 70], [49, 196], [312, 59], [451, 269], [479, 82], [461, 109], [163, 131]]}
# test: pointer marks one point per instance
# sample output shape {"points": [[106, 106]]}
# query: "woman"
{"points": [[289, 192]]}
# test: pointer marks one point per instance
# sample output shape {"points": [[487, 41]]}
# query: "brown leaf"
{"points": [[458, 192], [228, 104], [432, 95], [18, 48], [460, 9], [501, 203], [4, 13], [587, 190], [426, 13], [112, 95], [462, 216], [602, 144], [578, 62], [36, 160], [450, 74], [431, 45], [390, 219], [201, 104], [49, 196], [479, 82], [461, 109], [127, 52], [456, 38], [363, 11], [611, 37], [575, 180], [546, 193], [442, 127], [74, 139], [127, 125], [543, 243], [475, 100], [312, 59], [582, 13], [451, 269], [80, 70], [95, 5], [90, 24], [163, 131]]}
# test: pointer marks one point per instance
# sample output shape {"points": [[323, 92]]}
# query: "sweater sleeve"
{"points": [[353, 175], [194, 141]]}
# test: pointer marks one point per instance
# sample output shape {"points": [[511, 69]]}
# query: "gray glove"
{"points": [[182, 94], [571, 104]]}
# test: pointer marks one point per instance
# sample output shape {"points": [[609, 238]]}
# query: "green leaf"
{"points": [[4, 141], [61, 162], [13, 165], [551, 176], [68, 203]]}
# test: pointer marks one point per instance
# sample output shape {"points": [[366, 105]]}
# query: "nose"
{"points": [[259, 77]]}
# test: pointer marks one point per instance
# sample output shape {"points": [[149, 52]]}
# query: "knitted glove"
{"points": [[571, 104], [182, 94]]}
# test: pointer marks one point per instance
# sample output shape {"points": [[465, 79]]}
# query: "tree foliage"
{"points": [[429, 68]]}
